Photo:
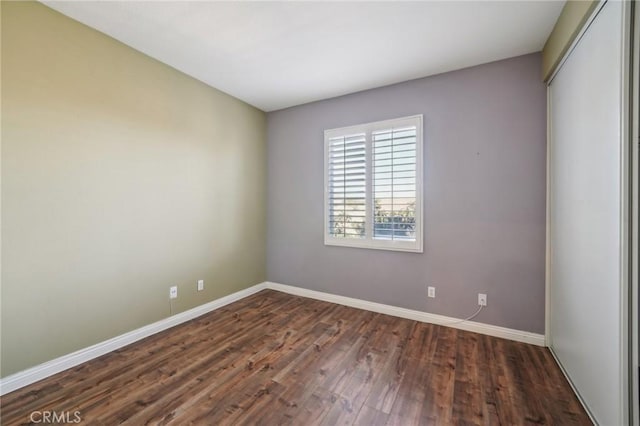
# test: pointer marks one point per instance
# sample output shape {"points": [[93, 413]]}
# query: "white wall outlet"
{"points": [[431, 291], [173, 292], [200, 285], [482, 299]]}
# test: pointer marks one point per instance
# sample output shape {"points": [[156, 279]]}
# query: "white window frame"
{"points": [[368, 241]]}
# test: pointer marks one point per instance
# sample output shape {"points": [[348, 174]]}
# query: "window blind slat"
{"points": [[346, 186], [394, 184]]}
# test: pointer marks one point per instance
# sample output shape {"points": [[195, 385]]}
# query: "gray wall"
{"points": [[485, 133]]}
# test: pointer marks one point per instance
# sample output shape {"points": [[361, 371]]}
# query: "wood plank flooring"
{"points": [[278, 359]]}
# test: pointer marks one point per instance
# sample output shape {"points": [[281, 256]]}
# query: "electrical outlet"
{"points": [[482, 299], [200, 285], [431, 291], [173, 292]]}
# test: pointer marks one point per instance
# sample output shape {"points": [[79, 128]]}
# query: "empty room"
{"points": [[319, 212]]}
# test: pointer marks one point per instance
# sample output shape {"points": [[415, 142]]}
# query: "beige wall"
{"points": [[574, 14], [120, 177]]}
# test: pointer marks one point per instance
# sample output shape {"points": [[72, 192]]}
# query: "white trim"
{"points": [[47, 369], [548, 248], [626, 403], [42, 371], [477, 327], [634, 330]]}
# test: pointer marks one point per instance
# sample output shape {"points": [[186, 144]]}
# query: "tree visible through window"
{"points": [[401, 223]]}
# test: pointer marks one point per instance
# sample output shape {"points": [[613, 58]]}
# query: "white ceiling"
{"points": [[275, 55]]}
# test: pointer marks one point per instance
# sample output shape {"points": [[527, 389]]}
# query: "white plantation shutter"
{"points": [[347, 186], [373, 185], [394, 183]]}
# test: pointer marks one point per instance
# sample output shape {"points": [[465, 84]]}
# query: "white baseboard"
{"points": [[477, 327], [42, 371]]}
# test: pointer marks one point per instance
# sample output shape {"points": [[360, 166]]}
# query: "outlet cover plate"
{"points": [[482, 299]]}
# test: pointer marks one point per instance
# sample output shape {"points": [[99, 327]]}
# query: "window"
{"points": [[373, 185]]}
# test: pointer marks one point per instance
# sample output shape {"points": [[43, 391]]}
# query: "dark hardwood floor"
{"points": [[273, 358]]}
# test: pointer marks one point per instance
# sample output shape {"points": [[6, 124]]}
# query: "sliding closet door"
{"points": [[585, 195]]}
